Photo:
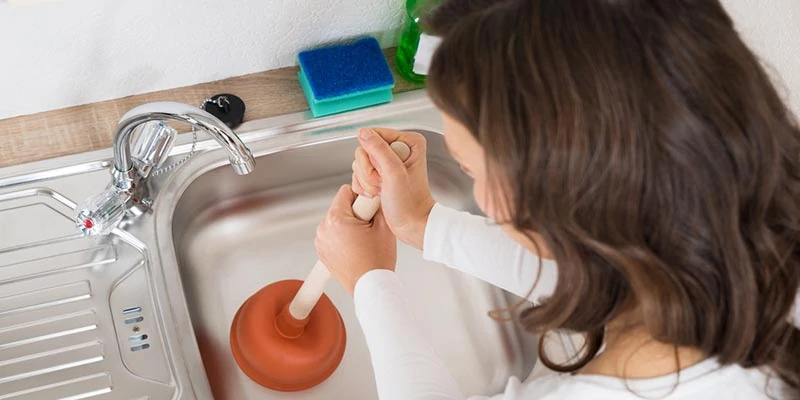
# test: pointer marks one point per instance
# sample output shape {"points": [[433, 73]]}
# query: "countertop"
{"points": [[90, 127]]}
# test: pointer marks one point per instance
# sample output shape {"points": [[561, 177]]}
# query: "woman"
{"points": [[640, 145]]}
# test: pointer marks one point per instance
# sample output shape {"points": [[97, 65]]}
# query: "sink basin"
{"points": [[232, 235]]}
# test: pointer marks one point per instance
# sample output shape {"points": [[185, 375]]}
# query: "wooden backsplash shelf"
{"points": [[91, 126]]}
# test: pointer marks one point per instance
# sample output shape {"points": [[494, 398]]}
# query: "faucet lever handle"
{"points": [[101, 213], [153, 142]]}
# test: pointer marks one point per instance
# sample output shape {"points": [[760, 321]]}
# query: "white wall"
{"points": [[59, 53], [772, 29]]}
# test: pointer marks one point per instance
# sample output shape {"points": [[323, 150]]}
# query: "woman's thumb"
{"points": [[380, 153], [343, 201]]}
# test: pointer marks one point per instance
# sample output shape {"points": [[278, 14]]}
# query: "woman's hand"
{"points": [[350, 247], [405, 194]]}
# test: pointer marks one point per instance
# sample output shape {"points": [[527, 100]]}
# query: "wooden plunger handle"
{"points": [[364, 208]]}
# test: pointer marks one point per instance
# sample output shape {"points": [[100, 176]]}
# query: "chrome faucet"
{"points": [[152, 141]]}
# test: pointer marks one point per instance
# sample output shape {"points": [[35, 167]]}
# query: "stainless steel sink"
{"points": [[234, 235], [211, 240]]}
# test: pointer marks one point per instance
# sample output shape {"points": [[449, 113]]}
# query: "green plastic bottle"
{"points": [[416, 47]]}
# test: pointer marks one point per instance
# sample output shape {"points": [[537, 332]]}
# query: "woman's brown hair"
{"points": [[646, 145]]}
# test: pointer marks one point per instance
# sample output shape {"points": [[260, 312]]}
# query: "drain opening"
{"points": [[133, 320], [143, 346], [138, 338], [132, 310]]}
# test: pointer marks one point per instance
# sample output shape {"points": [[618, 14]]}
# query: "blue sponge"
{"points": [[345, 77]]}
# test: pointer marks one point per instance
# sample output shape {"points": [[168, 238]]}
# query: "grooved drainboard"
{"points": [[58, 336]]}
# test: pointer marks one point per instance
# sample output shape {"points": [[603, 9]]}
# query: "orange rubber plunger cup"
{"points": [[281, 352]]}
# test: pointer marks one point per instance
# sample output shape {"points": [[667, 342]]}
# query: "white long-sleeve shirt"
{"points": [[407, 368]]}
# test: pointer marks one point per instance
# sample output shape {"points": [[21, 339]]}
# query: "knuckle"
{"points": [[366, 180], [357, 187], [363, 164], [334, 221], [371, 183]]}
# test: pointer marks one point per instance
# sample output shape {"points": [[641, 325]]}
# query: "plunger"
{"points": [[289, 336]]}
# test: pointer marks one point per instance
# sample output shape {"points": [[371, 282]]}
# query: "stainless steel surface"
{"points": [[212, 239], [130, 189], [64, 328]]}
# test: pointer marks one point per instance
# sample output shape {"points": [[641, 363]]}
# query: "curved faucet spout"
{"points": [[101, 213], [240, 157]]}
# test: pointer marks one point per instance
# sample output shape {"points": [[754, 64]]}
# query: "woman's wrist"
{"points": [[415, 235]]}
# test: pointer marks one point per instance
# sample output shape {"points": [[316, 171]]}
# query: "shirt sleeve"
{"points": [[405, 364], [477, 246]]}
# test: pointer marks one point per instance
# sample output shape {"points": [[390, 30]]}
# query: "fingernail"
{"points": [[365, 133]]}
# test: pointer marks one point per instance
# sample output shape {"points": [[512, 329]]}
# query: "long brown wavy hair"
{"points": [[646, 145]]}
